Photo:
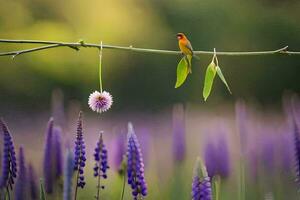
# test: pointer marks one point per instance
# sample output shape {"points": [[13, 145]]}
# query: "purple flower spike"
{"points": [[100, 156], [101, 166], [21, 184], [179, 146], [268, 153], [241, 121], [297, 152], [57, 132], [48, 158], [119, 151], [79, 153], [33, 187], [223, 157], [210, 155], [217, 157], [68, 175], [9, 164], [201, 186], [135, 165]]}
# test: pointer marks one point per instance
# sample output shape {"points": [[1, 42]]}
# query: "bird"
{"points": [[186, 49]]}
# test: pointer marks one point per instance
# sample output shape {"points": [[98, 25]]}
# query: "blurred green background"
{"points": [[140, 80]]}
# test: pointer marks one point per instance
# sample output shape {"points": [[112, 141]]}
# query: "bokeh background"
{"points": [[57, 83], [140, 80]]}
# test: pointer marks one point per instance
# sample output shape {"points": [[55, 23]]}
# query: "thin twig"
{"points": [[77, 45]]}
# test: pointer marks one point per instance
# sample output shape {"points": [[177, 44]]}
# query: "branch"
{"points": [[77, 45]]}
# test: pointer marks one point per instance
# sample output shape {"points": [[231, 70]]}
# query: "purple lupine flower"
{"points": [[33, 187], [253, 163], [201, 186], [179, 146], [48, 166], [57, 107], [79, 154], [21, 183], [211, 158], [119, 152], [101, 165], [268, 152], [241, 119], [9, 163], [57, 132], [297, 151], [223, 157], [135, 165], [286, 151], [144, 140], [216, 157], [68, 175]]}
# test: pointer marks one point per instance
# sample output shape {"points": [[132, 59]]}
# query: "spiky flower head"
{"points": [[79, 153], [9, 163], [100, 101], [21, 184], [201, 186], [135, 165], [100, 157]]}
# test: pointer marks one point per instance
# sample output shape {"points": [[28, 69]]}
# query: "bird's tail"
{"points": [[189, 62]]}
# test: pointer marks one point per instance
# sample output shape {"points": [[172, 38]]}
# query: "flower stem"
{"points": [[100, 66], [242, 180], [99, 180], [7, 192], [123, 186], [98, 187], [76, 187], [216, 183]]}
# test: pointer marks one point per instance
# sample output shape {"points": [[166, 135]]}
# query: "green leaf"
{"points": [[42, 191], [182, 72], [209, 79], [220, 74]]}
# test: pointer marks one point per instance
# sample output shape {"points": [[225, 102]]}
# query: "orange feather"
{"points": [[185, 47]]}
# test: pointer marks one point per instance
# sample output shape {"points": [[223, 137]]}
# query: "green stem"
{"points": [[100, 66], [8, 193], [77, 45], [99, 184], [76, 188], [216, 181], [242, 180], [123, 186]]}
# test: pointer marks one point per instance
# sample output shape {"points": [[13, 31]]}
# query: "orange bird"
{"points": [[186, 48]]}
